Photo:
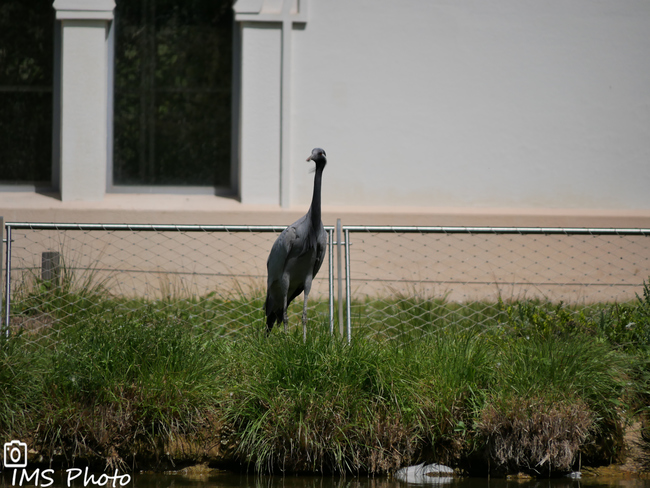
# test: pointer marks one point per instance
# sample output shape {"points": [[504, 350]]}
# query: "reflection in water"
{"points": [[215, 479], [241, 481]]}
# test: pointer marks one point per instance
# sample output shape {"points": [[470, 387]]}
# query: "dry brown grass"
{"points": [[532, 436], [112, 437]]}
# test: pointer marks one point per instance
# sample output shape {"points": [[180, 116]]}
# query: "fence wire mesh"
{"points": [[209, 277], [403, 282], [406, 280]]}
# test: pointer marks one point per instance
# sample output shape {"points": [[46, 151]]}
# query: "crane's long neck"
{"points": [[314, 210]]}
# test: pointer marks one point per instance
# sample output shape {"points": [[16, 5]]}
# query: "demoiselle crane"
{"points": [[296, 257]]}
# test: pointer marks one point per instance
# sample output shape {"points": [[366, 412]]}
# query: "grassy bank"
{"points": [[522, 386]]}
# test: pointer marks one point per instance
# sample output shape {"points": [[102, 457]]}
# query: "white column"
{"points": [[84, 75], [265, 114], [260, 115]]}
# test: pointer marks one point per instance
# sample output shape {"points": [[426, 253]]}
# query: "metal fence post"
{"points": [[8, 282], [347, 284], [2, 235], [339, 269], [330, 252]]}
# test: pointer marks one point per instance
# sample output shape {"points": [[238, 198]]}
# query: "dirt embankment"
{"points": [[216, 448]]}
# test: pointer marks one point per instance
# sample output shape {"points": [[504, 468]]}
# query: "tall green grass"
{"points": [[115, 384], [22, 368], [123, 384], [326, 406], [100, 359], [323, 405]]}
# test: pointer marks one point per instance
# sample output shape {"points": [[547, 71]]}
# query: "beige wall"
{"points": [[205, 209]]}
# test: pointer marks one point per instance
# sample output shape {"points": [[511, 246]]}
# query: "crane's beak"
{"points": [[313, 168]]}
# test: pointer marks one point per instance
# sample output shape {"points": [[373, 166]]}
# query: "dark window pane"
{"points": [[172, 92], [26, 55]]}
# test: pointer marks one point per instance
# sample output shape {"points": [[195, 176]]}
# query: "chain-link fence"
{"points": [[406, 278], [210, 277], [400, 280]]}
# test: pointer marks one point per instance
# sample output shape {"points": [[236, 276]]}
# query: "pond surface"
{"points": [[215, 479], [241, 481]]}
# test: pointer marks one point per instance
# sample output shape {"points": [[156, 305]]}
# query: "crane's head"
{"points": [[318, 156]]}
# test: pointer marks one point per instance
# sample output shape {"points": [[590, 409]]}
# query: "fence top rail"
{"points": [[148, 227], [498, 230], [350, 228]]}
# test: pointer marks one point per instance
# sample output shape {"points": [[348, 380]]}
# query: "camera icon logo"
{"points": [[15, 454]]}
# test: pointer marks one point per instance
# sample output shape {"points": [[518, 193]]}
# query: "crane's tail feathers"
{"points": [[271, 318], [270, 322]]}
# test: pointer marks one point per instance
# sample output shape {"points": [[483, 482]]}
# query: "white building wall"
{"points": [[507, 103]]}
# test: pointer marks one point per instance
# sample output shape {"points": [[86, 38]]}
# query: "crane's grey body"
{"points": [[296, 257]]}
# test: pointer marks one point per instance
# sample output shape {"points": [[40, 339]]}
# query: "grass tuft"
{"points": [[321, 406], [531, 435], [115, 384]]}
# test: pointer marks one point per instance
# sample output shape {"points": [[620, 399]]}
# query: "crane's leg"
{"points": [[304, 318], [306, 291], [285, 317]]}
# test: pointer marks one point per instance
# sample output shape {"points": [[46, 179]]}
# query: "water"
{"points": [[241, 481], [216, 479]]}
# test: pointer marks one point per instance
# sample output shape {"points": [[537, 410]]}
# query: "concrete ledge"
{"points": [[84, 9], [208, 209]]}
